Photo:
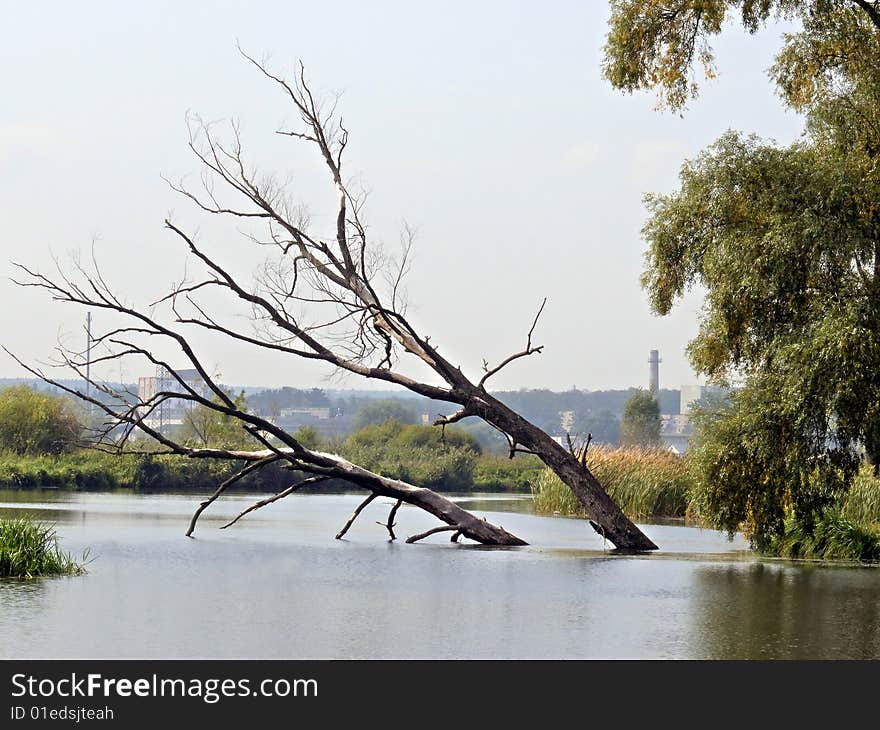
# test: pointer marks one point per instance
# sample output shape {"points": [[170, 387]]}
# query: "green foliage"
{"points": [[603, 425], [32, 422], [765, 456], [204, 427], [786, 243], [173, 473], [501, 474], [833, 537], [377, 412], [862, 502], [79, 470], [640, 426], [781, 241], [309, 437], [644, 482], [418, 454], [29, 548], [658, 44]]}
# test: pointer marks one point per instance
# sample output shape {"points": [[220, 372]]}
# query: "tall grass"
{"points": [[644, 482], [29, 548], [833, 537], [862, 501]]}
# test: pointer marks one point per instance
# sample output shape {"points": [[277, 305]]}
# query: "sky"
{"points": [[486, 126]]}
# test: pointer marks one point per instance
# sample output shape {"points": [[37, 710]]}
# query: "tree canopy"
{"points": [[379, 411], [34, 423], [786, 243], [204, 427], [641, 421], [662, 44]]}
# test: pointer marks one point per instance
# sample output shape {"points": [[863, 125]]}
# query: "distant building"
{"points": [[309, 413], [170, 411], [692, 395], [654, 372], [675, 432], [325, 420]]}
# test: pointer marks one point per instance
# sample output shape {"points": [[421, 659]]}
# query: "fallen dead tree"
{"points": [[357, 324]]}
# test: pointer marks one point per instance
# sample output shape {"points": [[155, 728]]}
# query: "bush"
{"points": [[34, 423], [176, 473], [417, 454], [82, 470], [501, 474]]}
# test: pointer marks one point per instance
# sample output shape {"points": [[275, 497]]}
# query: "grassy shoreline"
{"points": [[646, 483], [98, 472]]}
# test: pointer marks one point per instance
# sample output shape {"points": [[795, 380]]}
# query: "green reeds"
{"points": [[862, 501], [833, 537], [29, 548], [644, 482]]}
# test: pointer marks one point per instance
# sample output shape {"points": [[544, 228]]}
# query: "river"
{"points": [[277, 585]]}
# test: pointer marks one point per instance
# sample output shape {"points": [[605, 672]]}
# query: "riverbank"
{"points": [[95, 471], [646, 483]]}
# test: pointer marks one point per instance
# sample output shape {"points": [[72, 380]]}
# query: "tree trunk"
{"points": [[609, 520]]}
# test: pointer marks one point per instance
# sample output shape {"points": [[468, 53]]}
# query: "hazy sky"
{"points": [[485, 125]]}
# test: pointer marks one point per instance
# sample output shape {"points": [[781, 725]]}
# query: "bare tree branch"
{"points": [[529, 350], [274, 498], [433, 531], [390, 525], [250, 468], [358, 510]]}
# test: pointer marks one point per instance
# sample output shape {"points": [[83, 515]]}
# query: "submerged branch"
{"points": [[274, 498], [358, 510]]}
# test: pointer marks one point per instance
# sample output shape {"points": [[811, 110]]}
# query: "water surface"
{"points": [[278, 585]]}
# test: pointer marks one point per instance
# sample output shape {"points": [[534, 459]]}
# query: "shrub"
{"points": [[501, 474], [33, 423], [417, 454]]}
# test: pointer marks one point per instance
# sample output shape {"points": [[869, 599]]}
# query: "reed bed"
{"points": [[862, 501], [644, 482], [833, 537], [29, 548]]}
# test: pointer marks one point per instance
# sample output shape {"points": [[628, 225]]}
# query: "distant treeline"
{"points": [[596, 412], [577, 411]]}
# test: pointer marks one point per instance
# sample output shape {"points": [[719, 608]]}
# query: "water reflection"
{"points": [[786, 611]]}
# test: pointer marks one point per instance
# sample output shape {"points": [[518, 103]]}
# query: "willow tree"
{"points": [[786, 243], [351, 318]]}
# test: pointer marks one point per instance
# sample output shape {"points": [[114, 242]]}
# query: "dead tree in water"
{"points": [[357, 322]]}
